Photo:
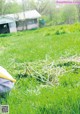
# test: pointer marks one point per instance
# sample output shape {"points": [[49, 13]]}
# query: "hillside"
{"points": [[46, 65]]}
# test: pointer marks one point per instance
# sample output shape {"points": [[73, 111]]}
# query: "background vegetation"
{"points": [[51, 11]]}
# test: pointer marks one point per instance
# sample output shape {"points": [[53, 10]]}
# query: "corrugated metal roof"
{"points": [[24, 15], [32, 14], [5, 20]]}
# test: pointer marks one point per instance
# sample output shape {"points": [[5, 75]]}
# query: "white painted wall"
{"points": [[32, 26], [12, 27]]}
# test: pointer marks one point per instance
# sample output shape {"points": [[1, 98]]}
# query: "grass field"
{"points": [[40, 48]]}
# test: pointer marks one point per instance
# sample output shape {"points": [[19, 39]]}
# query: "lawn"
{"points": [[52, 56]]}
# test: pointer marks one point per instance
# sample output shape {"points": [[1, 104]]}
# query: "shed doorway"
{"points": [[4, 28]]}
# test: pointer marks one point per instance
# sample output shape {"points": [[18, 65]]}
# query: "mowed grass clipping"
{"points": [[29, 95]]}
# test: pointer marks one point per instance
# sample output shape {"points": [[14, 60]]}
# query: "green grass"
{"points": [[30, 96]]}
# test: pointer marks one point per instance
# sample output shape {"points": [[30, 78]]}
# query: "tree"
{"points": [[2, 6], [78, 9], [69, 14], [12, 7], [9, 7]]}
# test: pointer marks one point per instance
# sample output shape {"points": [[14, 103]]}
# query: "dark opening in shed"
{"points": [[4, 28]]}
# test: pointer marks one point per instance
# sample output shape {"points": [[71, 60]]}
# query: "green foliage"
{"points": [[2, 6], [69, 14], [12, 7], [9, 7]]}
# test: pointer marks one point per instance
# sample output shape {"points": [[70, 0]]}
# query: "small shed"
{"points": [[19, 21], [7, 24], [27, 20]]}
